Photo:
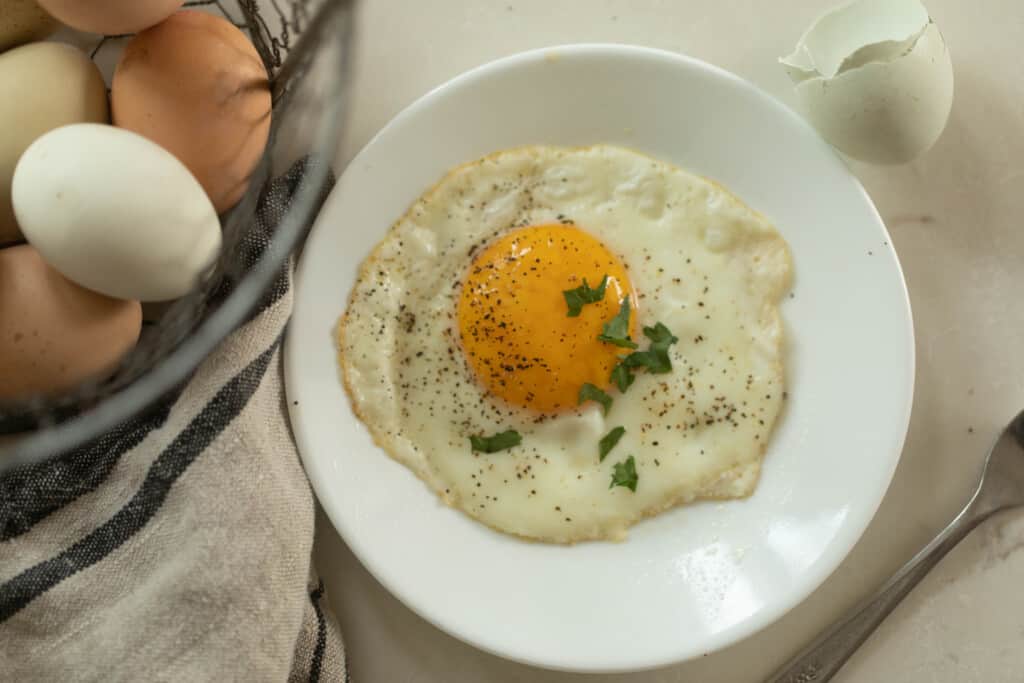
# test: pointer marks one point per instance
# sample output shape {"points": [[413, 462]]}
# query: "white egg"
{"points": [[875, 78], [115, 212], [458, 326]]}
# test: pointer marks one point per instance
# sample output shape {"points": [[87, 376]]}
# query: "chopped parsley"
{"points": [[497, 442], [655, 358], [660, 335], [624, 474], [616, 330], [589, 392], [609, 440], [575, 299], [621, 376]]}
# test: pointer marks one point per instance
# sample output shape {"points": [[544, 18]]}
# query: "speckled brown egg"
{"points": [[22, 21], [53, 333], [195, 85], [111, 16]]}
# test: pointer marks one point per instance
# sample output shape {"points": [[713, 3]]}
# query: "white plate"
{"points": [[699, 577]]}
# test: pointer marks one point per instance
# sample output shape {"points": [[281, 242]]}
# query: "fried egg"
{"points": [[458, 332]]}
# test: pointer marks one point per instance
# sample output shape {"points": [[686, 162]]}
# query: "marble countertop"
{"points": [[955, 219]]}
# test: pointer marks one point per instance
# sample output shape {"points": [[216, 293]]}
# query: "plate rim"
{"points": [[726, 637]]}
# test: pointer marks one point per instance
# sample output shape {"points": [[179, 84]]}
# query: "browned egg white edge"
{"points": [[716, 489]]}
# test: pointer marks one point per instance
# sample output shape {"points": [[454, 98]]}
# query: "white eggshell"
{"points": [[843, 31], [115, 212], [875, 78]]}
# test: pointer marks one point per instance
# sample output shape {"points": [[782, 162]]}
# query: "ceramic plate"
{"points": [[699, 577]]}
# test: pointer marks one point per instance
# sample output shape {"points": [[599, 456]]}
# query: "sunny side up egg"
{"points": [[459, 326]]}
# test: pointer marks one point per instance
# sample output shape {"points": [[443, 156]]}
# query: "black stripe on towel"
{"points": [[29, 494], [165, 470], [317, 663]]}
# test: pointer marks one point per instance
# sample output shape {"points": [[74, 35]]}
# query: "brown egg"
{"points": [[195, 85], [111, 16], [53, 333], [22, 21]]}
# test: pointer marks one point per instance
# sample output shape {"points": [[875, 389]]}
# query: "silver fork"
{"points": [[1001, 487]]}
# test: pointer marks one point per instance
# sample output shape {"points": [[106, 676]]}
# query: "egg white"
{"points": [[702, 263]]}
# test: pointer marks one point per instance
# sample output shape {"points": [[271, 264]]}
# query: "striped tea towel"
{"points": [[177, 546]]}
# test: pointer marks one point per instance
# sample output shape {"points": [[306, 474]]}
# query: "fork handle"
{"points": [[823, 658]]}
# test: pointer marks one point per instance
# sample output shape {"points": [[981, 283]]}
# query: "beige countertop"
{"points": [[955, 219]]}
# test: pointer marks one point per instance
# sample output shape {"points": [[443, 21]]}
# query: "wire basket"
{"points": [[304, 46]]}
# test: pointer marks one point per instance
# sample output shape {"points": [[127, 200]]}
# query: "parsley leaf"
{"points": [[660, 335], [616, 330], [608, 441], [624, 474], [576, 298], [589, 392], [622, 376], [655, 358], [498, 442]]}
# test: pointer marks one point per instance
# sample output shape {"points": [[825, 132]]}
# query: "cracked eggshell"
{"points": [[115, 213], [875, 78]]}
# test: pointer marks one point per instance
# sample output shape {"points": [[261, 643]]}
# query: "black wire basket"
{"points": [[304, 45]]}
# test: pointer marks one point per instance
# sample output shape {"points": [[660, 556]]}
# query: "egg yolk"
{"points": [[513, 318]]}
